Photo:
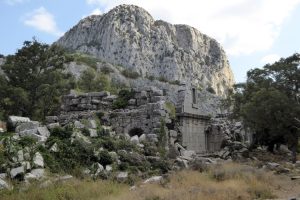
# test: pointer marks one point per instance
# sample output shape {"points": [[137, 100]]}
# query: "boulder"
{"points": [[43, 131], [142, 138], [81, 138], [27, 165], [20, 156], [78, 124], [38, 173], [14, 121], [3, 176], [122, 176], [98, 168], [17, 171], [51, 119], [272, 165], [154, 179], [32, 125], [54, 148], [93, 132], [188, 154], [108, 168], [53, 125], [3, 184], [38, 160], [91, 124], [135, 139]]}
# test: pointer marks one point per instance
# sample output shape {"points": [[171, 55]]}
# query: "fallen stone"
{"points": [[154, 179], [26, 165], [272, 165], [43, 131], [17, 171], [20, 156], [188, 153], [78, 124], [38, 160], [27, 126], [54, 148], [295, 178], [53, 125], [108, 168], [3, 176], [135, 139], [38, 173], [14, 121], [142, 138], [122, 176], [91, 124], [3, 184], [93, 132]]}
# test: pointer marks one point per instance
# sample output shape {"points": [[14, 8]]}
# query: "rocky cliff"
{"points": [[129, 36]]}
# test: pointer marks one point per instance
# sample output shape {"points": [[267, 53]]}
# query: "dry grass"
{"points": [[229, 181]]}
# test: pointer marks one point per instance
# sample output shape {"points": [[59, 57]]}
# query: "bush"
{"points": [[27, 141], [171, 109], [130, 74], [105, 158], [61, 133], [162, 79], [106, 70], [85, 59], [123, 98]]}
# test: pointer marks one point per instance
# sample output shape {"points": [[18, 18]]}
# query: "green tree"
{"points": [[268, 102], [34, 80], [90, 81]]}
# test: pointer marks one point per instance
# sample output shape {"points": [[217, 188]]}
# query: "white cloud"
{"points": [[242, 26], [270, 59], [97, 11], [42, 20]]}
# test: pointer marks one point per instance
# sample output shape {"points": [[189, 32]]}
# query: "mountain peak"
{"points": [[128, 36]]}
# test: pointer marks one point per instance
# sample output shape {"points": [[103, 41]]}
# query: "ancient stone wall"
{"points": [[145, 114]]}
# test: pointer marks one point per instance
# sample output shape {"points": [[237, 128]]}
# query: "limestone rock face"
{"points": [[129, 36]]}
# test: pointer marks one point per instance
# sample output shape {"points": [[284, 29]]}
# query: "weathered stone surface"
{"points": [[14, 121], [17, 171], [54, 148], [78, 124], [38, 160], [93, 132], [122, 176], [3, 184], [53, 125], [154, 179], [129, 36], [43, 131], [32, 125], [135, 139], [38, 173]]}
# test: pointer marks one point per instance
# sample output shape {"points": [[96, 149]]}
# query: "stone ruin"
{"points": [[196, 126]]}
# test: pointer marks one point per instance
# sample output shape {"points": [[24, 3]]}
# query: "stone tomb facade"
{"points": [[194, 119]]}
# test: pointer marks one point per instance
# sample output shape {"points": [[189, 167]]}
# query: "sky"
{"points": [[252, 32]]}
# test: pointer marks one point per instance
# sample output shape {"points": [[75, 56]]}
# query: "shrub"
{"points": [[162, 79], [61, 133], [106, 70], [105, 158], [123, 98], [130, 74], [176, 82], [85, 59], [171, 109], [27, 141]]}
